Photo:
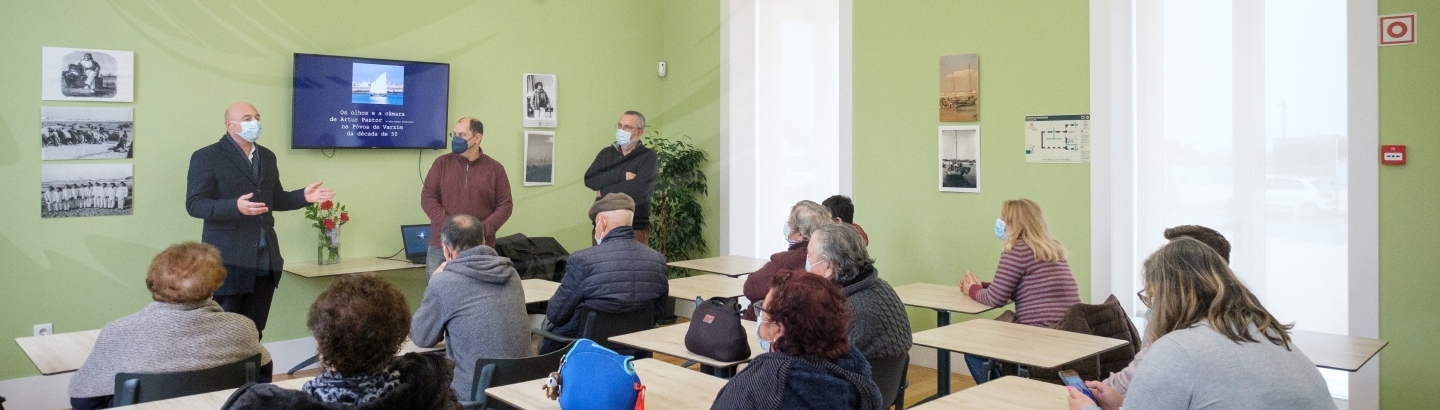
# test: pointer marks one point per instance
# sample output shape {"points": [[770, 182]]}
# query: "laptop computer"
{"points": [[417, 241]]}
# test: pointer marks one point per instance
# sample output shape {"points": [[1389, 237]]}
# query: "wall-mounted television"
{"points": [[352, 102]]}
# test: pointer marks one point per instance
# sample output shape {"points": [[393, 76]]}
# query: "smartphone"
{"points": [[1072, 379]]}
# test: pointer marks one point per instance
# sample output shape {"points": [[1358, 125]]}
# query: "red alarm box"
{"points": [[1392, 155]]}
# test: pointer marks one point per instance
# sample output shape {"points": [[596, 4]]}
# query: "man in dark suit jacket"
{"points": [[233, 186]]}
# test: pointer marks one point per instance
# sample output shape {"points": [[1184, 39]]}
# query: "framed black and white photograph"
{"points": [[86, 133], [68, 190], [960, 159], [79, 74], [539, 158], [540, 99]]}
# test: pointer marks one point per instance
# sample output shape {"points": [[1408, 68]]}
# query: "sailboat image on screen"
{"points": [[377, 84]]}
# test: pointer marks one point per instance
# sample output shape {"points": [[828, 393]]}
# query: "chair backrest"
{"points": [[599, 326], [1106, 319], [889, 375], [500, 372], [133, 388]]}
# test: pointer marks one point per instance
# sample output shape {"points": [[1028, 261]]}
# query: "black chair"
{"points": [[134, 388], [889, 375], [600, 326], [499, 372]]}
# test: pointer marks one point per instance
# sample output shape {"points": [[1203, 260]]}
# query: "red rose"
{"points": [[344, 217], [325, 206], [328, 223]]}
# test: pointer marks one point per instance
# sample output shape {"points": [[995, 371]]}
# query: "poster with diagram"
{"points": [[1057, 138]]}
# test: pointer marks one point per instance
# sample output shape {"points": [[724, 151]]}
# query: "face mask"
{"points": [[785, 228], [764, 344], [808, 265], [598, 241], [458, 145], [250, 130], [1000, 229], [622, 138]]}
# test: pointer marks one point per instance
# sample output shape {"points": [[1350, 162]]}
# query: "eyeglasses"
{"points": [[626, 128], [1143, 297]]}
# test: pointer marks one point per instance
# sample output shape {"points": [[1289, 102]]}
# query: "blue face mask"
{"points": [[622, 138], [807, 266], [764, 344], [458, 145], [785, 229], [1000, 229], [250, 130]]}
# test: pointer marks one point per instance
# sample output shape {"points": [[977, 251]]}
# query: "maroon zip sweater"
{"points": [[456, 185]]}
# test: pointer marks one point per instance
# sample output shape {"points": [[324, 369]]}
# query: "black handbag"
{"points": [[715, 330]]}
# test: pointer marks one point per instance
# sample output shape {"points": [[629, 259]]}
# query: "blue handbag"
{"points": [[595, 378]]}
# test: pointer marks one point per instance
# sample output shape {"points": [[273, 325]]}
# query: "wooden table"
{"points": [[59, 353], [539, 290], [212, 400], [706, 286], [1020, 344], [1005, 393], [667, 387], [1339, 352], [670, 340], [732, 265], [348, 266], [943, 299]]}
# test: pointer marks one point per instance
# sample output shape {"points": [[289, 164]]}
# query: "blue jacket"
{"points": [[619, 275], [775, 381]]}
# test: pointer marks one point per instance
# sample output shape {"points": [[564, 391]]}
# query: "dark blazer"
{"points": [[219, 175]]}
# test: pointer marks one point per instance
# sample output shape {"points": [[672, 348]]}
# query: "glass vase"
{"points": [[328, 250]]}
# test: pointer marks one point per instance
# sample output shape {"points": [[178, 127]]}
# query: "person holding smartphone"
{"points": [[1215, 346]]}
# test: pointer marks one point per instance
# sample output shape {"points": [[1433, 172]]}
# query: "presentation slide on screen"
{"points": [[346, 102]]}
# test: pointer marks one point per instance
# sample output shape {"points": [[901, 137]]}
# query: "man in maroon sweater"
{"points": [[805, 217], [465, 181]]}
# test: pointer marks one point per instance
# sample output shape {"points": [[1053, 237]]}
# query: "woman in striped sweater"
{"points": [[1033, 272]]}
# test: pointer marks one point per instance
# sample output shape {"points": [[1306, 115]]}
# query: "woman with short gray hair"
{"points": [[804, 218], [880, 328]]}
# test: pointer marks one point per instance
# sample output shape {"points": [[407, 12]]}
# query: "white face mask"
{"points": [[249, 130], [622, 138]]}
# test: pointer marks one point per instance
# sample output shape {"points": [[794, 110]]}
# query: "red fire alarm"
{"points": [[1392, 155]]}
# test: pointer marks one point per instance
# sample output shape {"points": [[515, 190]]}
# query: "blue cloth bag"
{"points": [[596, 378]]}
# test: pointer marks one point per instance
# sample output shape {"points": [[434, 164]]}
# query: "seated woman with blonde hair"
{"points": [[359, 323], [1215, 346], [182, 330]]}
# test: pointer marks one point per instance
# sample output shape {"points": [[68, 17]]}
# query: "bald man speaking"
{"points": [[233, 186]]}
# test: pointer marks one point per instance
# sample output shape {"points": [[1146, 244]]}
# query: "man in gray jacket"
{"points": [[475, 297]]}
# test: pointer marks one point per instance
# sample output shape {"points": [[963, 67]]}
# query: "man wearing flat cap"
{"points": [[619, 275]]}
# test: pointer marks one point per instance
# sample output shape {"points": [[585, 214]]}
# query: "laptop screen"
{"points": [[417, 239]]}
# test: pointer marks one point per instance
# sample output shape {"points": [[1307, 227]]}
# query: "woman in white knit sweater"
{"points": [[182, 330]]}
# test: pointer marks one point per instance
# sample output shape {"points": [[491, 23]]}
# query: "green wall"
{"points": [[194, 58], [1409, 98], [918, 234]]}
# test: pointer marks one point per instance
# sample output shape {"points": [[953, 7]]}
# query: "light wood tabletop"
{"points": [[60, 352], [670, 340], [939, 297], [348, 266], [1339, 352], [212, 400], [706, 286], [1015, 343], [539, 290], [1005, 393], [667, 386], [65, 352], [732, 265]]}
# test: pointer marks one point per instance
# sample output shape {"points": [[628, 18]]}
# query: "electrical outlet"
{"points": [[44, 329]]}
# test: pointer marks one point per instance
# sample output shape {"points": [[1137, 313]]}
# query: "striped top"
{"points": [[1042, 291]]}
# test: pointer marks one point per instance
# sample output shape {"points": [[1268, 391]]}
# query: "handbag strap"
{"points": [[639, 396]]}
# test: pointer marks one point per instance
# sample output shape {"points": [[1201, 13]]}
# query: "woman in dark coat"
{"points": [[810, 363]]}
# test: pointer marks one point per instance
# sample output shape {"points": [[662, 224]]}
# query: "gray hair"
{"points": [[841, 246], [641, 117], [806, 216], [462, 232]]}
